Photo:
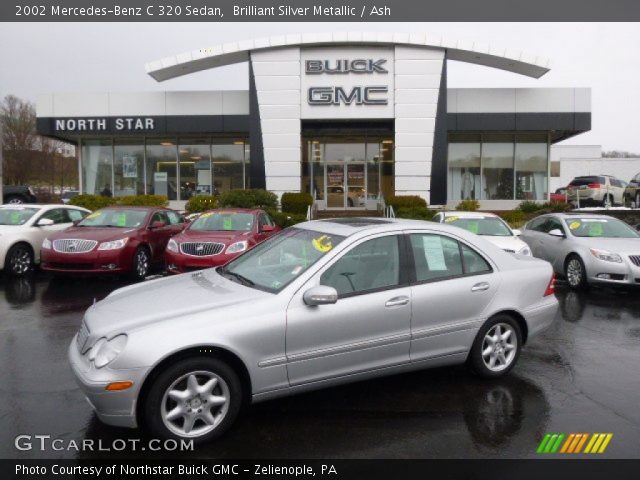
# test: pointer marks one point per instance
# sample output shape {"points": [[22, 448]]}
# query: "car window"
{"points": [[174, 217], [615, 182], [473, 261], [58, 215], [536, 224], [75, 215], [552, 224], [159, 217], [369, 266], [435, 257], [224, 221], [489, 226]]}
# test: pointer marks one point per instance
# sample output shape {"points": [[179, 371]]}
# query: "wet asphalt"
{"points": [[581, 375]]}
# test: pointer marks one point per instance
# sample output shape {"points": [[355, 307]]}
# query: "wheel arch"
{"points": [[220, 353], [21, 241], [516, 316]]}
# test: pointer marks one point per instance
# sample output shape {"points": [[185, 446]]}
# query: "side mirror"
{"points": [[320, 295], [517, 232], [45, 222], [556, 232], [268, 228], [158, 224]]}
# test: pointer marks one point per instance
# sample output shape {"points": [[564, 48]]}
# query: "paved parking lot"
{"points": [[582, 375]]}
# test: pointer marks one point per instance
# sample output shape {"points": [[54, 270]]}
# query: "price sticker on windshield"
{"points": [[93, 215], [574, 225], [322, 244], [450, 219]]}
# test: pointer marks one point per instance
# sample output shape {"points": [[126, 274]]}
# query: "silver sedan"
{"points": [[586, 248], [322, 303]]}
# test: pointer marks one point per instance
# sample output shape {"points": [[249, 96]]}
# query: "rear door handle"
{"points": [[480, 287], [396, 301]]}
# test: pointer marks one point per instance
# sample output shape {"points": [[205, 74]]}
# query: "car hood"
{"points": [[209, 236], [615, 245], [506, 243], [167, 299], [101, 234]]}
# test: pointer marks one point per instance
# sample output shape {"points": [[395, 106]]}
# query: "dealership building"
{"points": [[349, 117]]}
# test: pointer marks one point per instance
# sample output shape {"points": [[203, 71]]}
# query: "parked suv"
{"points": [[16, 194], [596, 190], [632, 192]]}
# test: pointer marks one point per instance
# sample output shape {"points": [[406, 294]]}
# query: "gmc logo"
{"points": [[338, 95], [345, 66]]}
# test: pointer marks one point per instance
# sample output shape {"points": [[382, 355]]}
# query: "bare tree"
{"points": [[18, 120]]}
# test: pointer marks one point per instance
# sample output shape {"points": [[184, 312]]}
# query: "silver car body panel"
{"points": [[287, 346]]}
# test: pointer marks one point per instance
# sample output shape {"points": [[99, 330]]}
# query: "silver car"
{"points": [[322, 303], [586, 248]]}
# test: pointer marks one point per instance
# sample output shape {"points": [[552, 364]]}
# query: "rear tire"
{"points": [[496, 348], [15, 200], [19, 260], [141, 264], [607, 201], [183, 404], [575, 273]]}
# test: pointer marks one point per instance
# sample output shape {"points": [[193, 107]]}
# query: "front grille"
{"points": [[83, 335], [72, 245], [201, 249], [635, 259]]}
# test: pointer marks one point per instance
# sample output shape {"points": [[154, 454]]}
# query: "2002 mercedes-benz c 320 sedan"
{"points": [[321, 303]]}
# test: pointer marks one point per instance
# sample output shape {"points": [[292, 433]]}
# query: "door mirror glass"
{"points": [[45, 222], [556, 232], [320, 295], [517, 232]]}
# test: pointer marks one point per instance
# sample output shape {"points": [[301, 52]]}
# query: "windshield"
{"points": [[490, 226], [600, 227], [223, 221], [275, 263], [123, 218], [16, 216]]}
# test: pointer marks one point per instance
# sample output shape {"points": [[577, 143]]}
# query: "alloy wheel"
{"points": [[142, 263], [195, 404], [20, 261], [15, 201], [574, 272], [499, 347]]}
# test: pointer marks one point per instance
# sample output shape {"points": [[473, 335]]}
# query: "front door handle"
{"points": [[480, 287], [396, 301]]}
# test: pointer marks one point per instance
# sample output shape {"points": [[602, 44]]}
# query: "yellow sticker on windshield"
{"points": [[93, 215], [322, 244], [450, 219], [205, 215], [574, 225]]}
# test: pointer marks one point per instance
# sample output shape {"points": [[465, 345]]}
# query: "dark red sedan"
{"points": [[217, 236], [113, 240]]}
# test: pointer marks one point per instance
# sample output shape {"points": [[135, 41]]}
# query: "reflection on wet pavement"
{"points": [[580, 375]]}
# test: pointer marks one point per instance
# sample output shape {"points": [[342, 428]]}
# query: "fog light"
{"points": [[604, 276], [116, 386]]}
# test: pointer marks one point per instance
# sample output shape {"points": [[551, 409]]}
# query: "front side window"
{"points": [[372, 265], [57, 215], [553, 224], [275, 263], [112, 217], [221, 221], [537, 224], [600, 227], [174, 217]]}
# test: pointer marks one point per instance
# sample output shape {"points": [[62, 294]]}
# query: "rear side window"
{"points": [[536, 224], [473, 261]]}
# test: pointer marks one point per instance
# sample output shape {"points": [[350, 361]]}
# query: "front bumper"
{"points": [[116, 408], [181, 263], [541, 316], [611, 273], [95, 261]]}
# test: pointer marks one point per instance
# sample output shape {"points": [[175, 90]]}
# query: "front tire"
{"points": [[19, 260], [197, 398], [607, 201], [496, 348], [15, 200], [575, 273], [141, 264]]}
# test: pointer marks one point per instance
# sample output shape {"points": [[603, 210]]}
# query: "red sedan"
{"points": [[113, 240], [217, 236], [560, 195]]}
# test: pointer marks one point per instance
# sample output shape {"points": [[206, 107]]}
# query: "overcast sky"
{"points": [[96, 57]]}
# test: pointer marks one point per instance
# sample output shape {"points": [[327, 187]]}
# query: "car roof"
{"points": [[39, 205], [236, 210], [134, 207], [462, 214], [578, 214]]}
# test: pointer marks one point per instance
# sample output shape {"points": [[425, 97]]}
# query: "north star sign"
{"points": [[338, 95], [122, 124]]}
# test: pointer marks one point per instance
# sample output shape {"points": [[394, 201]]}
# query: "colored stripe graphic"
{"points": [[573, 443]]}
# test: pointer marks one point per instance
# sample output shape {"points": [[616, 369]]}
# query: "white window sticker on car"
{"points": [[434, 252]]}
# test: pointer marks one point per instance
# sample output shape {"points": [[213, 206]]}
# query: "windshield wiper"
{"points": [[243, 280]]}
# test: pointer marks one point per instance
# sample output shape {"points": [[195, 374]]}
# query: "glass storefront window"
{"points": [[162, 168], [97, 167], [128, 167], [497, 167], [195, 168], [228, 165], [464, 167], [531, 167]]}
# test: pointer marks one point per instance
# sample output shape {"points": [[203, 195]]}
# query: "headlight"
{"points": [[106, 351], [172, 246], [606, 255], [46, 244], [237, 247], [114, 245], [525, 251]]}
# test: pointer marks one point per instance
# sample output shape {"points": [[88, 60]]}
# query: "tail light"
{"points": [[551, 288], [594, 185]]}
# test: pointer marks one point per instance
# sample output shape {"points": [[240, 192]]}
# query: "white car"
{"points": [[488, 225], [23, 229]]}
